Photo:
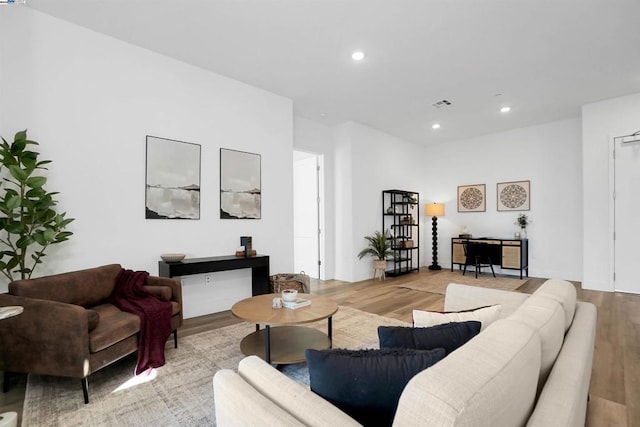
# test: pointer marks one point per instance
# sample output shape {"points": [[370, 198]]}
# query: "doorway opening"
{"points": [[626, 222], [308, 217]]}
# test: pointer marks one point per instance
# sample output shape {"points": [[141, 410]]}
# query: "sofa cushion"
{"points": [[93, 317], [546, 316], [563, 292], [484, 315], [448, 336], [114, 326], [490, 381], [175, 308], [366, 384], [464, 297]]}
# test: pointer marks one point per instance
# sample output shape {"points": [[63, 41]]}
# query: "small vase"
{"points": [[523, 233]]}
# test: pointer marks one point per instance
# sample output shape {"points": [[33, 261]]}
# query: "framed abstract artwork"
{"points": [[472, 198], [514, 196], [240, 185], [172, 179]]}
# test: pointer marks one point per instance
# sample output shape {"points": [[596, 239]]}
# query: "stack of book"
{"points": [[300, 302]]}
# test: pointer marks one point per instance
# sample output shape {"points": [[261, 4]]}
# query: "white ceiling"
{"points": [[546, 58]]}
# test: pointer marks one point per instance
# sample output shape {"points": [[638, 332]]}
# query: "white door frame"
{"points": [[613, 227], [318, 190], [612, 214]]}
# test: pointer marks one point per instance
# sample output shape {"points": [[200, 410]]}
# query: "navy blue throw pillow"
{"points": [[448, 336], [366, 384]]}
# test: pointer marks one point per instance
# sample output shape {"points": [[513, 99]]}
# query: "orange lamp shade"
{"points": [[434, 209]]}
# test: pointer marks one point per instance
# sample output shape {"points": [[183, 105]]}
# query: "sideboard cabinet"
{"points": [[509, 254]]}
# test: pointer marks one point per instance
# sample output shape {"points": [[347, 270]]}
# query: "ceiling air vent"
{"points": [[443, 103]]}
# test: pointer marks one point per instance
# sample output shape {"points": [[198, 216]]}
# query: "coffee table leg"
{"points": [[267, 344], [330, 331]]}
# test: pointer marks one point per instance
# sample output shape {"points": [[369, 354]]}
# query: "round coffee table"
{"points": [[286, 342]]}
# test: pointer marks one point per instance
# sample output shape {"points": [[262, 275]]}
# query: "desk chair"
{"points": [[478, 255]]}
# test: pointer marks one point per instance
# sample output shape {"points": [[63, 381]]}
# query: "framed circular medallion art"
{"points": [[472, 198], [514, 196]]}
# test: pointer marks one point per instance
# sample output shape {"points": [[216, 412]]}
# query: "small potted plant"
{"points": [[523, 221], [379, 248]]}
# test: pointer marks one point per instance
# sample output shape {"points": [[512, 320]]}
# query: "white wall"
{"points": [[90, 100], [550, 157], [369, 162], [601, 122]]}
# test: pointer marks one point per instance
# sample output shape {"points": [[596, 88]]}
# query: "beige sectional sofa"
{"points": [[531, 367]]}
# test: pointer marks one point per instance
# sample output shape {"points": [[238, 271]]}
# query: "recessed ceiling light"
{"points": [[358, 55], [435, 126], [505, 109]]}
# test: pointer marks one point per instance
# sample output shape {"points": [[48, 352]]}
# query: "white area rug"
{"points": [[181, 393]]}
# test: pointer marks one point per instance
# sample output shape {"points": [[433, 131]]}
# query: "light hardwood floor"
{"points": [[615, 381]]}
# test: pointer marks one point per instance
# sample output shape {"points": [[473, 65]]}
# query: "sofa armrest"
{"points": [[49, 338], [239, 404], [563, 401], [298, 400], [489, 381], [463, 297], [162, 292], [155, 286]]}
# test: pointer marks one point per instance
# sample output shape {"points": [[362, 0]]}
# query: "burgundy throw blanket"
{"points": [[155, 317]]}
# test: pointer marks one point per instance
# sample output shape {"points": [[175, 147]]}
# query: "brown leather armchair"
{"points": [[68, 328]]}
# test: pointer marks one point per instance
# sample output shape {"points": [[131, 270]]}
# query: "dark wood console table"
{"points": [[512, 254], [258, 264]]}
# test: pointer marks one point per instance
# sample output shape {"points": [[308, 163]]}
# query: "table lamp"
{"points": [[434, 210]]}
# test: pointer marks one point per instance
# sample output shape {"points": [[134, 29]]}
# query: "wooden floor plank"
{"points": [[602, 412]]}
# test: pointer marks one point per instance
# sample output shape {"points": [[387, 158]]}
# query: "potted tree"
{"points": [[29, 222], [379, 248]]}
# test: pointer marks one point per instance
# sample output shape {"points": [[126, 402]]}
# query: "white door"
{"points": [[627, 216], [306, 214]]}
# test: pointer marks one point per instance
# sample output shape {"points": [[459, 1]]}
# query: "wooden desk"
{"points": [[258, 264], [509, 254]]}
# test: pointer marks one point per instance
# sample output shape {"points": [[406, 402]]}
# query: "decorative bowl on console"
{"points": [[172, 257]]}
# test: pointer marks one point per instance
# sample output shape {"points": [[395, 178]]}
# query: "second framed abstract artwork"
{"points": [[472, 198], [240, 185], [514, 196]]}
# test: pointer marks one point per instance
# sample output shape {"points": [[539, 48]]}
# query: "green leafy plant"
{"points": [[523, 221], [410, 199], [379, 246], [29, 222]]}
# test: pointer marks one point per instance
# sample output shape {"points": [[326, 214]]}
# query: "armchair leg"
{"points": [[175, 338], [85, 389]]}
